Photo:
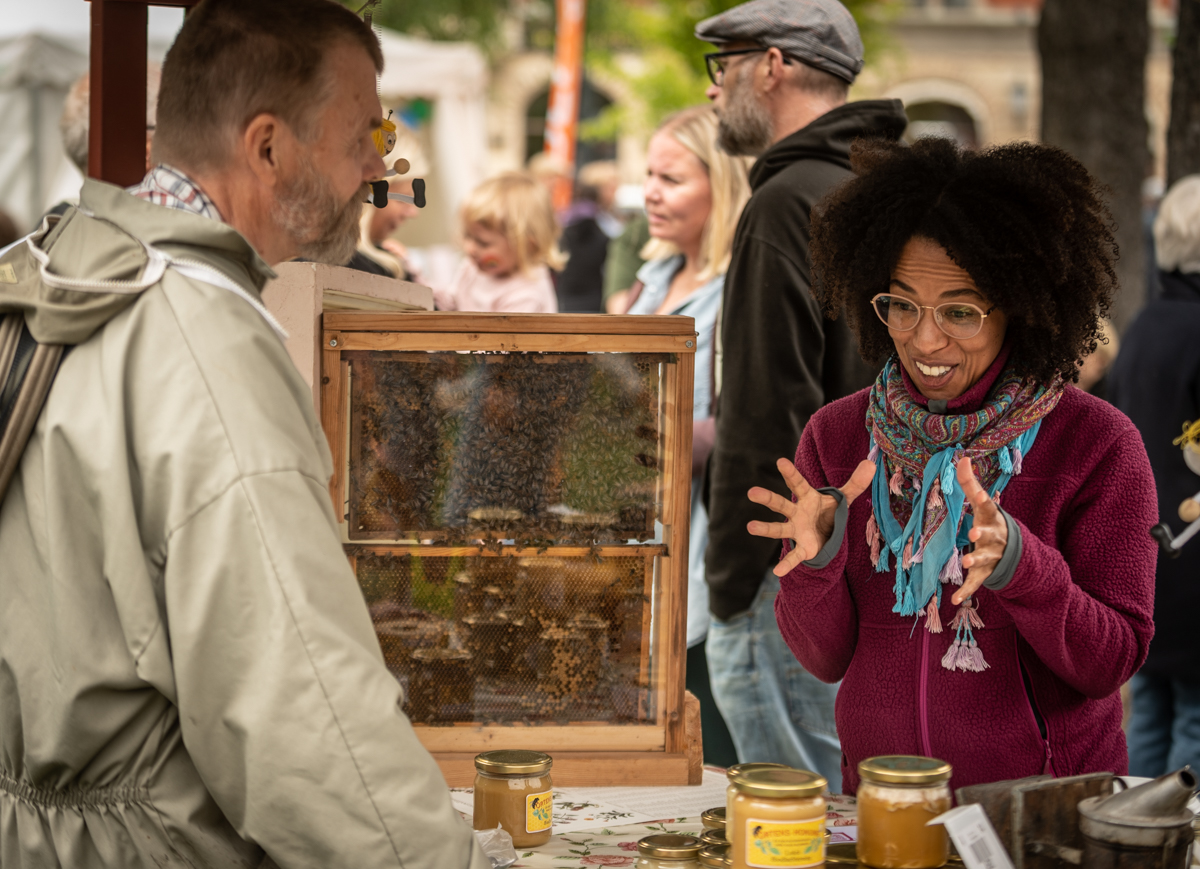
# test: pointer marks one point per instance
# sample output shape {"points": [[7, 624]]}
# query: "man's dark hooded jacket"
{"points": [[781, 359], [1156, 381]]}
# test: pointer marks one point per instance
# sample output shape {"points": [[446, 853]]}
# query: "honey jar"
{"points": [[513, 790], [668, 851], [710, 857], [714, 839], [776, 819], [897, 796], [740, 768], [713, 819]]}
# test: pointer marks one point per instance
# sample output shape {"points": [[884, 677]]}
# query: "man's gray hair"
{"points": [[1177, 227], [236, 59], [74, 123], [821, 83]]}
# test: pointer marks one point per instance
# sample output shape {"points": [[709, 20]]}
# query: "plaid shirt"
{"points": [[167, 186]]}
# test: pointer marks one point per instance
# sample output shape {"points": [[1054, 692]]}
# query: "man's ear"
{"points": [[774, 70], [266, 144]]}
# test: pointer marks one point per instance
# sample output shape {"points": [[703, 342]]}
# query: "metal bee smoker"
{"points": [[1145, 827]]}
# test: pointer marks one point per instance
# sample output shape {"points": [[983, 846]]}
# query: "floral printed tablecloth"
{"points": [[617, 846]]}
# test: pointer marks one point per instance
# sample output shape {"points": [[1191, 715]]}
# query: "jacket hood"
{"points": [[830, 136], [1180, 286], [78, 271]]}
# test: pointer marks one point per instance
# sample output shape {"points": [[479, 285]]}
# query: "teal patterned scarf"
{"points": [[919, 515]]}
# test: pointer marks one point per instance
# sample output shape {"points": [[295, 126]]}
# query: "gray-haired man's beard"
{"points": [[744, 128], [324, 228]]}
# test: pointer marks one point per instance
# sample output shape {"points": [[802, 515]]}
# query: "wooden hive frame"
{"points": [[665, 752]]}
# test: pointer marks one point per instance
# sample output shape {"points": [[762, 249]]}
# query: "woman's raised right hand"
{"points": [[809, 518]]}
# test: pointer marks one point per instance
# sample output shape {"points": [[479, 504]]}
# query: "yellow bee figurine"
{"points": [[385, 137]]}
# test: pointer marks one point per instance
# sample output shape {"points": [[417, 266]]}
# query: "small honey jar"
{"points": [[714, 839], [668, 851], [776, 819], [709, 857], [897, 796], [513, 789], [713, 819]]}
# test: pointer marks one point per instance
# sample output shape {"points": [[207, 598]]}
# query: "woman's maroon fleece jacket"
{"points": [[1076, 617]]}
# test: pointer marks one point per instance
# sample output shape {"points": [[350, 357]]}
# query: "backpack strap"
{"points": [[27, 370]]}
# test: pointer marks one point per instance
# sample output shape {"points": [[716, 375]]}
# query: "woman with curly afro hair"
{"points": [[993, 637]]}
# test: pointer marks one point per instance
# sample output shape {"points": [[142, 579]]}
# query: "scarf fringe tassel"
{"points": [[964, 653], [933, 619], [952, 570]]}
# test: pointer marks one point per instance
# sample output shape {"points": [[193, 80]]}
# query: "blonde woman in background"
{"points": [[510, 239], [694, 196], [379, 253]]}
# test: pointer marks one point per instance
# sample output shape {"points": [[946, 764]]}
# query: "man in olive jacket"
{"points": [[780, 82], [188, 673]]}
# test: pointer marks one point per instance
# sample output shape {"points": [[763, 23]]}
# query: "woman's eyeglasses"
{"points": [[715, 63], [957, 319]]}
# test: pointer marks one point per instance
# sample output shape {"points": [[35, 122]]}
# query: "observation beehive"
{"points": [[514, 495]]}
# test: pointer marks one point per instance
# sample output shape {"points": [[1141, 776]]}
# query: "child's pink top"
{"points": [[531, 292]]}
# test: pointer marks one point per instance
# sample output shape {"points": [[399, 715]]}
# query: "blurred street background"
{"points": [[471, 80]]}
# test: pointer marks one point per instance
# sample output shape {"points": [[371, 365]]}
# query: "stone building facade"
{"points": [[965, 68]]}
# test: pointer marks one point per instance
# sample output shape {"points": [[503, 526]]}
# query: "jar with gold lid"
{"points": [[897, 796], [711, 857], [713, 819], [714, 839], [740, 768], [776, 819], [668, 851], [513, 789]]}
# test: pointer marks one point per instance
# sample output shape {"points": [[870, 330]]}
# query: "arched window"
{"points": [[935, 118], [591, 104]]}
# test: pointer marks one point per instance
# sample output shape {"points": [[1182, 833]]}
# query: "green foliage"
{"points": [[645, 45], [452, 20], [671, 74]]}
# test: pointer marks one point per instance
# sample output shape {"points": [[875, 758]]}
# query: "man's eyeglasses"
{"points": [[960, 320], [714, 62]]}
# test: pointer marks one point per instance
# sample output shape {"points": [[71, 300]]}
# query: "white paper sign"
{"points": [[974, 837]]}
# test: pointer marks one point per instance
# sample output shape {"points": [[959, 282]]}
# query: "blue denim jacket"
{"points": [[703, 305]]}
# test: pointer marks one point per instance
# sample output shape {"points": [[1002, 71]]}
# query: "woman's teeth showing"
{"points": [[933, 370]]}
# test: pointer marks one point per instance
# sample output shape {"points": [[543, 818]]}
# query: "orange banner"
{"points": [[562, 116]]}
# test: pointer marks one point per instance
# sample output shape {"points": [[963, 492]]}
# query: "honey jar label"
{"points": [[786, 845], [538, 811]]}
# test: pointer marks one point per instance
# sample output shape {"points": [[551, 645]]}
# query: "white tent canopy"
{"points": [[37, 69], [452, 75], [35, 73]]}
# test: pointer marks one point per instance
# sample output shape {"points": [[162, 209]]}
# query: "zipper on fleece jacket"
{"points": [[923, 697], [1043, 727]]}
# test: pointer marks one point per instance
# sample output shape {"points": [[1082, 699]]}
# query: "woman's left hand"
{"points": [[989, 533]]}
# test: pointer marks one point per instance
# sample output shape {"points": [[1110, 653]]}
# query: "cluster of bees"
{"points": [[512, 639], [541, 448]]}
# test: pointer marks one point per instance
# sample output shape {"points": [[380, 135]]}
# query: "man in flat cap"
{"points": [[780, 82]]}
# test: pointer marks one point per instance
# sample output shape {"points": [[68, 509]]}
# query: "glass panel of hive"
{"points": [[535, 639], [537, 448]]}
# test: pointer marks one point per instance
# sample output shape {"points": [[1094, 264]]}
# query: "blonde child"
{"points": [[510, 239]]}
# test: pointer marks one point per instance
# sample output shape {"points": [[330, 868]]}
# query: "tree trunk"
{"points": [[1093, 105], [1183, 136]]}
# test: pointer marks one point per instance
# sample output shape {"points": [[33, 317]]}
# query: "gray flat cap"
{"points": [[821, 33]]}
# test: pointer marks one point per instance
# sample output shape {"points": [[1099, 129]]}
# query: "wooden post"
{"points": [[117, 110]]}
